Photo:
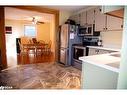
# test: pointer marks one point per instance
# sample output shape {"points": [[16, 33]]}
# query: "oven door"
{"points": [[79, 52]]}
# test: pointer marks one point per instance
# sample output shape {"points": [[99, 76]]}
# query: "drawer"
{"points": [[77, 65]]}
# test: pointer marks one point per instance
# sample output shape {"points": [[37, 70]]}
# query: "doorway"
{"points": [[16, 33]]}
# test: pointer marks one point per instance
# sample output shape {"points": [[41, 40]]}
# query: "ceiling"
{"points": [[18, 14], [67, 8]]}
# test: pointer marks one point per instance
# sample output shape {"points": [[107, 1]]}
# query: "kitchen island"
{"points": [[100, 71]]}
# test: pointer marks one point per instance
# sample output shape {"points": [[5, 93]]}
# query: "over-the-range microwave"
{"points": [[86, 30]]}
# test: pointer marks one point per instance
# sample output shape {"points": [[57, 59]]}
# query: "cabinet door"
{"points": [[100, 20], [83, 18], [114, 23], [92, 51], [90, 16], [102, 51], [75, 18]]}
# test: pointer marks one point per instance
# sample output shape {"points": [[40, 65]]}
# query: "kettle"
{"points": [[99, 42]]}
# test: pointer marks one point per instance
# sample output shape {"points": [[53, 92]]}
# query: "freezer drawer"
{"points": [[64, 56]]}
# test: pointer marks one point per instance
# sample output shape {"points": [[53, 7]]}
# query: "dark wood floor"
{"points": [[33, 59]]}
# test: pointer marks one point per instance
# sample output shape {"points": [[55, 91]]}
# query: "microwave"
{"points": [[86, 30]]}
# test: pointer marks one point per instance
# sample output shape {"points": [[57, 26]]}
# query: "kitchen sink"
{"points": [[116, 65]]}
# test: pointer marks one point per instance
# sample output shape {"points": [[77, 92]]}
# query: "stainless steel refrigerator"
{"points": [[68, 37]]}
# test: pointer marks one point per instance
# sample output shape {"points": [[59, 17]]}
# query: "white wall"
{"points": [[63, 16], [17, 31], [112, 39]]}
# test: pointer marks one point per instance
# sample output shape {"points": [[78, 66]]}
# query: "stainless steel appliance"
{"points": [[68, 37], [86, 30], [90, 40], [78, 51]]}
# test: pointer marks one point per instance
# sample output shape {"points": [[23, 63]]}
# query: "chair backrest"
{"points": [[24, 40], [34, 40], [49, 44], [20, 45], [41, 41]]}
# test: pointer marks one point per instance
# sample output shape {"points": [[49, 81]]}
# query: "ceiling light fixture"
{"points": [[35, 21]]}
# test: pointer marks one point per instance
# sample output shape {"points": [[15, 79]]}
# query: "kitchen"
{"points": [[101, 43], [85, 46]]}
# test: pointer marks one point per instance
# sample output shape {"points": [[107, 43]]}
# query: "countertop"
{"points": [[104, 48], [103, 60], [97, 47], [80, 46]]}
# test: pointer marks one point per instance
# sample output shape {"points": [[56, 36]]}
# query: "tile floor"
{"points": [[41, 76]]}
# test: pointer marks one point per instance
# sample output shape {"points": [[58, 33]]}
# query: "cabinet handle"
{"points": [[97, 51], [121, 26], [100, 10]]}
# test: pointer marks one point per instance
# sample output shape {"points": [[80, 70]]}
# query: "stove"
{"points": [[79, 50]]}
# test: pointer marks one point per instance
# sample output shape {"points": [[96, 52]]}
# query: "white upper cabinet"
{"points": [[75, 18], [105, 22], [83, 18], [100, 20], [90, 16], [114, 23]]}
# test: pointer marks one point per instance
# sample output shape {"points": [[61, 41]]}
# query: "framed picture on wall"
{"points": [[8, 29]]}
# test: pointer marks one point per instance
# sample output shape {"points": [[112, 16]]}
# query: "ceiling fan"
{"points": [[35, 21]]}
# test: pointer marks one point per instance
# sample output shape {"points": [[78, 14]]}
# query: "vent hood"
{"points": [[117, 11]]}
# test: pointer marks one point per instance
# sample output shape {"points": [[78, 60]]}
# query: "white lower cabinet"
{"points": [[94, 51], [95, 77]]}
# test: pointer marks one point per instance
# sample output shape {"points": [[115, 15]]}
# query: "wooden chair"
{"points": [[25, 46], [48, 47], [22, 49], [34, 40], [41, 48]]}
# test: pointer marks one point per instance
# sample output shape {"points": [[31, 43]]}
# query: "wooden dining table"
{"points": [[34, 46]]}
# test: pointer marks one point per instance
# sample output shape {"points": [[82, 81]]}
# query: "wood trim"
{"points": [[2, 38], [49, 11], [117, 13], [114, 15], [56, 34], [37, 8]]}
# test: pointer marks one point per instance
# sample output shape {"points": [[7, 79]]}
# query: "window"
{"points": [[30, 30]]}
